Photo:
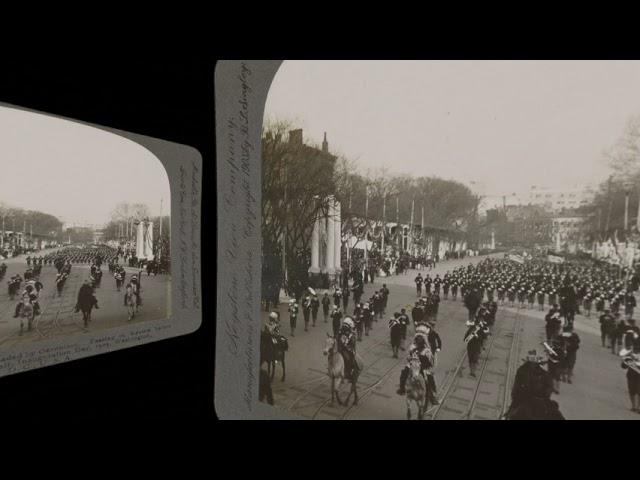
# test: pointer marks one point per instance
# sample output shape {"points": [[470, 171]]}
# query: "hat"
{"points": [[421, 330], [292, 301], [532, 356], [273, 316], [348, 322]]}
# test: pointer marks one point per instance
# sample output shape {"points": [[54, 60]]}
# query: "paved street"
{"points": [[598, 391], [58, 318]]}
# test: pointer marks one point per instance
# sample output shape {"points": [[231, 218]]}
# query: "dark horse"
{"points": [[86, 304], [265, 392], [272, 353]]}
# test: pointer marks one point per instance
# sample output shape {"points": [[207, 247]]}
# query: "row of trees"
{"points": [[123, 224], [620, 192], [298, 181], [30, 220]]}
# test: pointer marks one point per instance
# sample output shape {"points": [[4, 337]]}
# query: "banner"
{"points": [[515, 258], [555, 259]]}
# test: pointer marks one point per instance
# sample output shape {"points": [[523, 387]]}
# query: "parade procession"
{"points": [[397, 287], [79, 280]]}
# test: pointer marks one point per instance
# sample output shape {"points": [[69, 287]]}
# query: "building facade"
{"points": [[556, 200]]}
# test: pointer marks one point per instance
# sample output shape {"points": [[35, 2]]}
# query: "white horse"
{"points": [[131, 302], [416, 389], [335, 365], [26, 312]]}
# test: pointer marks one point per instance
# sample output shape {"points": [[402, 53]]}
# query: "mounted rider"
{"points": [[86, 296], [347, 346], [134, 283], [273, 330], [422, 350], [531, 394]]}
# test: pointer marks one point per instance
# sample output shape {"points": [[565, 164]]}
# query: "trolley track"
{"points": [[463, 397], [366, 392]]}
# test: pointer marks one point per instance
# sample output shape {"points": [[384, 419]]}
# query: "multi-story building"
{"points": [[557, 199]]}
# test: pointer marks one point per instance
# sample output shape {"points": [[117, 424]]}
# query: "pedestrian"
{"points": [[326, 303], [419, 281], [306, 310], [435, 342], [607, 329], [336, 317], [315, 306], [293, 316], [337, 296], [629, 304], [404, 321], [571, 344], [345, 297], [395, 332], [385, 298], [631, 363]]}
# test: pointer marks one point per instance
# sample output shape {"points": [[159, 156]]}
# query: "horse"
{"points": [[416, 389], [430, 262], [26, 312], [130, 301], [86, 304], [264, 388], [335, 365], [272, 353]]}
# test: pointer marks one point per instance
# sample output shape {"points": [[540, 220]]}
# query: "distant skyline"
{"points": [[505, 124], [75, 172]]}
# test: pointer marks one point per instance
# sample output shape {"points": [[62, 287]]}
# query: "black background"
{"points": [[170, 99]]}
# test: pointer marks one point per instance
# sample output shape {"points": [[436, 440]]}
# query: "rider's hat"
{"points": [[273, 316], [348, 322], [532, 356]]}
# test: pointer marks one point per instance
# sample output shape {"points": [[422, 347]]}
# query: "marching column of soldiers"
{"points": [[63, 261], [563, 290]]}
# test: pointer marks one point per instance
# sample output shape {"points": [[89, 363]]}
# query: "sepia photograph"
{"points": [[84, 234], [440, 240]]}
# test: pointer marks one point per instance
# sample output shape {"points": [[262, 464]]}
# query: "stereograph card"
{"points": [[431, 240], [80, 251]]}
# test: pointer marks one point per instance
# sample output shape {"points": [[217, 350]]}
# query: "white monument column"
{"points": [[144, 240], [331, 238], [315, 247], [338, 236]]}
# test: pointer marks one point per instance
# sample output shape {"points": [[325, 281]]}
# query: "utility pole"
{"points": [[160, 243], [410, 246], [422, 225], [610, 205], [384, 221], [638, 217], [350, 230], [366, 224], [399, 241], [626, 211]]}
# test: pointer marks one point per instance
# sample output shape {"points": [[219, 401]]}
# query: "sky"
{"points": [[505, 124], [75, 172]]}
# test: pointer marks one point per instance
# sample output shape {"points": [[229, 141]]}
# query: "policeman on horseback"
{"points": [[347, 346]]}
